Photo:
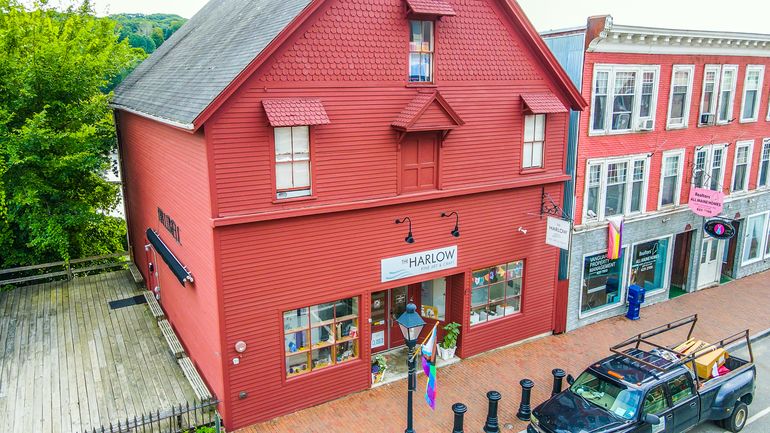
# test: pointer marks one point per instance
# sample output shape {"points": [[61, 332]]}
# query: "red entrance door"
{"points": [[387, 307], [419, 162]]}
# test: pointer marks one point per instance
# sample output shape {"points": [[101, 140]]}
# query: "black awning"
{"points": [[181, 272]]}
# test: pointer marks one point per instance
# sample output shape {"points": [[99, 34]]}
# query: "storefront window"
{"points": [[320, 336], [649, 264], [602, 281], [433, 299], [752, 245], [496, 292]]}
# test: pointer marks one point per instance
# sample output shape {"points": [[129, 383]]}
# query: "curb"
{"points": [[752, 338]]}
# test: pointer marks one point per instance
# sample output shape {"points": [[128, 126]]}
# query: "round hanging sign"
{"points": [[719, 229]]}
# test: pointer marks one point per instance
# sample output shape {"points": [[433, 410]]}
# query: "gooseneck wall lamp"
{"points": [[455, 231], [409, 238]]}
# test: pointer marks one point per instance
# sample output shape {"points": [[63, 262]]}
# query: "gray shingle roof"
{"points": [[182, 77]]}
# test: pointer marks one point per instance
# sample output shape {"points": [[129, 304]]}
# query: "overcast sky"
{"points": [[733, 15]]}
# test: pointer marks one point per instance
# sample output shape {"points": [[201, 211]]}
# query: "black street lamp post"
{"points": [[411, 325]]}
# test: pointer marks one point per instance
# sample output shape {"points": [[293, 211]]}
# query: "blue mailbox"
{"points": [[635, 299]]}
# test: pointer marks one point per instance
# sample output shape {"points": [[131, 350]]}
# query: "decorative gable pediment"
{"points": [[428, 111]]}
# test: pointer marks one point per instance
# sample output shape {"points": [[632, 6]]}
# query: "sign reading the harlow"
{"points": [[557, 233], [396, 268], [170, 225], [705, 202], [719, 229]]}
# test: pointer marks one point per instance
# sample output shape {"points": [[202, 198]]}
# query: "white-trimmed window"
{"points": [[708, 101], [709, 167], [616, 186], [534, 137], [671, 178], [755, 238], [421, 51], [292, 162], [650, 264], [624, 98], [602, 282], [741, 166], [763, 180], [752, 87], [727, 94], [681, 96]]}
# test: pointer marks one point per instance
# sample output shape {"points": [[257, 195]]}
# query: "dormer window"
{"points": [[420, 51]]}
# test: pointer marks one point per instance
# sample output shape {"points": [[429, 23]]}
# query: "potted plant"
{"points": [[447, 347], [379, 365]]}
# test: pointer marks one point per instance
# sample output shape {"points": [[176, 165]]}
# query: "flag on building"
{"points": [[615, 237], [429, 348]]}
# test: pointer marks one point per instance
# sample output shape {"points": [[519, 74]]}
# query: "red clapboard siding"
{"points": [[661, 140], [274, 266], [167, 168]]}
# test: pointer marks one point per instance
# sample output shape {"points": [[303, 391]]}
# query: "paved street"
{"points": [[722, 311], [759, 411]]}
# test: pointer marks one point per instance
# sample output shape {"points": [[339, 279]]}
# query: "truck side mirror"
{"points": [[570, 379], [651, 419]]}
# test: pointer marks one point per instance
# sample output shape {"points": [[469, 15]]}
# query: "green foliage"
{"points": [[450, 338], [147, 32], [206, 430], [56, 132]]}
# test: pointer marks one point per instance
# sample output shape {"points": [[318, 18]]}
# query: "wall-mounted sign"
{"points": [[719, 229], [557, 233], [378, 339], [396, 268], [705, 202], [170, 225]]}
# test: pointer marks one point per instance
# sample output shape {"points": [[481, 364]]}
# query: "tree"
{"points": [[56, 132]]}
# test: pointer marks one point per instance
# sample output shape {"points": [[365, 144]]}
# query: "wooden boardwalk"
{"points": [[69, 363]]}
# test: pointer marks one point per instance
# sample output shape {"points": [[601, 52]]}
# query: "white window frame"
{"points": [[680, 171], [623, 279], [635, 117], [709, 165], [763, 151], [739, 144], [755, 115], [714, 96], [762, 239], [294, 191], [690, 69], [731, 106], [527, 165], [669, 255], [604, 162]]}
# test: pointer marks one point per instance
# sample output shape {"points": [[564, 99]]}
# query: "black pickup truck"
{"points": [[651, 391]]}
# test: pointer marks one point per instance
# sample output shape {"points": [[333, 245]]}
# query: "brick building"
{"points": [[268, 149], [670, 111]]}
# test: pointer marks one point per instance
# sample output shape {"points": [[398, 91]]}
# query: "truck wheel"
{"points": [[737, 420]]}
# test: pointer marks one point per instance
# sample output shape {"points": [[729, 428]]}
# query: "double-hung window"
{"points": [[708, 167], [421, 51], [763, 181], [742, 166], [292, 162], [615, 186], [624, 98], [727, 94], [751, 93], [534, 137], [708, 102], [671, 178], [681, 94]]}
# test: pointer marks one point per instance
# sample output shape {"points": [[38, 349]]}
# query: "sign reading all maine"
{"points": [[396, 268]]}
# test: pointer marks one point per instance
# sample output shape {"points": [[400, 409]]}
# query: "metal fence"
{"points": [[65, 270], [182, 418]]}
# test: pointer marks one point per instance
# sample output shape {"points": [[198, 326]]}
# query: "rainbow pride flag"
{"points": [[615, 237], [429, 349]]}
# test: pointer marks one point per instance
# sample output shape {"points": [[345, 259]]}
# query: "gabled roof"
{"points": [[409, 119], [185, 74], [204, 62]]}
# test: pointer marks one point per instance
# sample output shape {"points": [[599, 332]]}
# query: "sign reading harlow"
{"points": [[557, 233], [396, 268], [705, 202]]}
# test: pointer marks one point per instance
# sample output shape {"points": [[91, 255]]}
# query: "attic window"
{"points": [[421, 51]]}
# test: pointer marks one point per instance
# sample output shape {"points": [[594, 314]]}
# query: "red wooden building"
{"points": [[268, 149]]}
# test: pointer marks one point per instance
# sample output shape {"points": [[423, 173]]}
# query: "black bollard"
{"points": [[558, 376], [526, 391], [491, 425], [459, 409]]}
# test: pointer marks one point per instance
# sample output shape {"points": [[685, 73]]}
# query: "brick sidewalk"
{"points": [[721, 311]]}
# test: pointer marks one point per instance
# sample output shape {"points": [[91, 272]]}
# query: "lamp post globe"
{"points": [[411, 325]]}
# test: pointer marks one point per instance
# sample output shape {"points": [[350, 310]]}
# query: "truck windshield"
{"points": [[613, 397]]}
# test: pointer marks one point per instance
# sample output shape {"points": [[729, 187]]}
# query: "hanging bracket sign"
{"points": [[705, 202], [557, 233], [719, 228]]}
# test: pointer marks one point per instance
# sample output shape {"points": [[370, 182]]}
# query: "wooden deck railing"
{"points": [[62, 270], [182, 418]]}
